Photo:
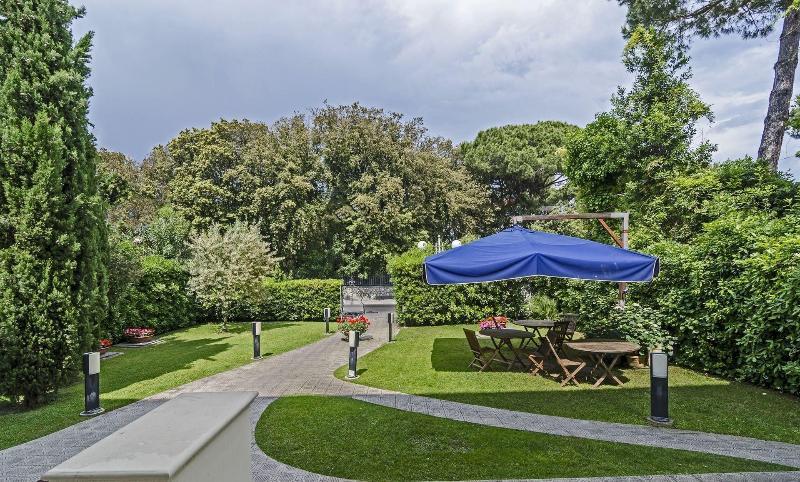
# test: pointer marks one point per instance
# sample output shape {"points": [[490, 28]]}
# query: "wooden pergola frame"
{"points": [[622, 241]]}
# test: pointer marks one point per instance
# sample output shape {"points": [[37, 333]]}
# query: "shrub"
{"points": [[225, 268], [421, 304], [638, 324], [541, 307], [161, 300], [295, 300], [124, 272]]}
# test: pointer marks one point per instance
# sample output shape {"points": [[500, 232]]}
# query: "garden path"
{"points": [[309, 370]]}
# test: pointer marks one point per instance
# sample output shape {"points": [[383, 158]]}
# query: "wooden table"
{"points": [[533, 326], [598, 350], [504, 336]]}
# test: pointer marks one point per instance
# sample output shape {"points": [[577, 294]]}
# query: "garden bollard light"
{"points": [[659, 388], [390, 319], [256, 340], [91, 384], [351, 372], [326, 313]]}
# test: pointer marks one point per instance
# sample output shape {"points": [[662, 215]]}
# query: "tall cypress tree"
{"points": [[52, 227]]}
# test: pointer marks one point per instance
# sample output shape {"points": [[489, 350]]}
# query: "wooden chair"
{"points": [[478, 359], [569, 366], [572, 324], [554, 338]]}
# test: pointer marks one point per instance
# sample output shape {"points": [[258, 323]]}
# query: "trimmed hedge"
{"points": [[419, 303], [296, 300]]}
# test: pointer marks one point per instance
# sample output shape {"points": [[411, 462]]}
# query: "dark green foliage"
{"points": [[161, 300], [52, 233], [124, 273], [296, 300], [333, 194], [627, 154], [167, 235], [421, 304], [688, 201], [149, 292], [124, 186], [521, 165], [731, 298]]}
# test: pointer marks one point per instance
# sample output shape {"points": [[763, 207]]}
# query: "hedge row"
{"points": [[421, 304], [295, 300]]}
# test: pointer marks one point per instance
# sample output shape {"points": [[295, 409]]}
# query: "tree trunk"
{"points": [[781, 96]]}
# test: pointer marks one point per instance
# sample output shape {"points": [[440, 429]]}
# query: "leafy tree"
{"points": [[748, 18], [53, 284], [167, 235], [121, 183], [226, 268], [242, 170], [522, 165], [627, 154], [689, 201], [333, 193], [390, 185]]}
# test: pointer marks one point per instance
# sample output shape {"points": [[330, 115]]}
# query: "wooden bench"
{"points": [[195, 436]]}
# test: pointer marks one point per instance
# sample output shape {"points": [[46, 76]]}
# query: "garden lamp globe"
{"points": [[456, 243], [422, 245]]}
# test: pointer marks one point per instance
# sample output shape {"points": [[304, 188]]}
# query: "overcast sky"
{"points": [[163, 66]]}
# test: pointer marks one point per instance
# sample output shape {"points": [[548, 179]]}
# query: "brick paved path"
{"points": [[308, 370]]}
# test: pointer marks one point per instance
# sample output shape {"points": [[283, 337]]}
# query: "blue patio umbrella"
{"points": [[517, 252]]}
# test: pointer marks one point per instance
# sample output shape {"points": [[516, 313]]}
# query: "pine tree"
{"points": [[53, 244]]}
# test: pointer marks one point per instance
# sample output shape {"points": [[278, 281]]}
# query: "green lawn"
{"points": [[184, 356], [432, 361], [348, 438]]}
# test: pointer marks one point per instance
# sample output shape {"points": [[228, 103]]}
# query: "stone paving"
{"points": [[308, 370]]}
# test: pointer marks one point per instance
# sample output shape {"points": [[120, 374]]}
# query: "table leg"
{"points": [[598, 359], [516, 352], [497, 348], [606, 370], [611, 367]]}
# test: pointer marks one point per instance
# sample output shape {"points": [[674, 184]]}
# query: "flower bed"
{"points": [[493, 322], [105, 344], [139, 335]]}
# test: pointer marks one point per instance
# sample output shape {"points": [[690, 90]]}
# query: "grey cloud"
{"points": [[160, 67]]}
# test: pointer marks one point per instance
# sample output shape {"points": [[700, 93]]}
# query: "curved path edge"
{"points": [[719, 444]]}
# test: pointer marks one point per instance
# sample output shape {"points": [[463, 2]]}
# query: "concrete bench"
{"points": [[195, 436]]}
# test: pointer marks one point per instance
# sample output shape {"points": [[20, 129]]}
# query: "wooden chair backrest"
{"points": [[558, 333], [472, 339], [549, 341], [572, 323]]}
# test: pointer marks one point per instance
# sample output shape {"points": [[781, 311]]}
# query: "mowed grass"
{"points": [[185, 355], [348, 438], [432, 361]]}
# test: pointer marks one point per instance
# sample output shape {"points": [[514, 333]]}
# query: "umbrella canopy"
{"points": [[517, 252]]}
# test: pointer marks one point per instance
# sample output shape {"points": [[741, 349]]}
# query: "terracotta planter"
{"points": [[139, 340], [103, 351], [634, 361]]}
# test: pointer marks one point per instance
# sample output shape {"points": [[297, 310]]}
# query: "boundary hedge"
{"points": [[296, 300], [419, 303]]}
